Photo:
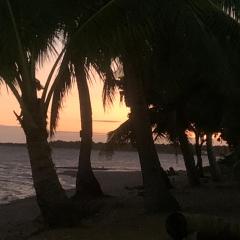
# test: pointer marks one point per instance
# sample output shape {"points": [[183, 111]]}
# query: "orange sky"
{"points": [[70, 118]]}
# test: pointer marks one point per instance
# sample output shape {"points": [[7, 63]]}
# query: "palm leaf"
{"points": [[121, 135], [61, 86], [231, 7]]}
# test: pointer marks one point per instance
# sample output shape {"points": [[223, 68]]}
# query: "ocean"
{"points": [[15, 172]]}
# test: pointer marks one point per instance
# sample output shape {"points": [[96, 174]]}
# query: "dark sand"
{"points": [[18, 219]]}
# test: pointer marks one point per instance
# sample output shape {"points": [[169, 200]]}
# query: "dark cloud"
{"points": [[106, 121]]}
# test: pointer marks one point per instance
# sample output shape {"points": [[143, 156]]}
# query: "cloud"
{"points": [[106, 121]]}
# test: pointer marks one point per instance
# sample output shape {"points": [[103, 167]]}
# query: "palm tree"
{"points": [[86, 182], [230, 130], [199, 141], [22, 46], [157, 197], [74, 69], [214, 168], [187, 150]]}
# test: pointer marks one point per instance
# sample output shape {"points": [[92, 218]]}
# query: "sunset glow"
{"points": [[103, 121]]}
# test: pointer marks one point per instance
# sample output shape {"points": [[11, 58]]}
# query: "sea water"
{"points": [[15, 171]]}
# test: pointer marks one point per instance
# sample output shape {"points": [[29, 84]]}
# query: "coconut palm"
{"points": [[86, 183], [199, 141], [214, 168], [186, 149], [22, 46], [72, 69]]}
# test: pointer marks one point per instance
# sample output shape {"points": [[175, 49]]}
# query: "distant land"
{"points": [[106, 149], [14, 134]]}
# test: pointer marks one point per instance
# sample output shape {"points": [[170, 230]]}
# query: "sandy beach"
{"points": [[19, 219]]}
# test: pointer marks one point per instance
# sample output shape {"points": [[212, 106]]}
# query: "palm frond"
{"points": [[51, 73], [231, 7], [121, 135], [27, 38], [187, 28], [61, 86]]}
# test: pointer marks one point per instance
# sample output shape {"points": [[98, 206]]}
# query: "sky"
{"points": [[103, 121]]}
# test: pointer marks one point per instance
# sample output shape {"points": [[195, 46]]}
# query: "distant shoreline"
{"points": [[104, 148]]}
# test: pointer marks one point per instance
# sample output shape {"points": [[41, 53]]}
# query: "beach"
{"points": [[123, 210], [15, 170]]}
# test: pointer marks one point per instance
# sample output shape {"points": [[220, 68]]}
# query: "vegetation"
{"points": [[174, 60]]}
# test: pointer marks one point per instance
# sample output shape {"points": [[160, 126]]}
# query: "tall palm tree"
{"points": [[86, 182], [71, 70], [76, 68], [157, 197], [199, 141], [214, 168], [22, 46], [187, 151]]}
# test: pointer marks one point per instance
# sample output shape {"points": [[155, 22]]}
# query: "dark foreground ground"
{"points": [[122, 216]]}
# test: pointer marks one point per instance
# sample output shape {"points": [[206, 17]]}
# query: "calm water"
{"points": [[15, 173]]}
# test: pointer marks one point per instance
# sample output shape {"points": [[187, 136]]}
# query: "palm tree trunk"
{"points": [[236, 165], [214, 168], [157, 196], [86, 183], [51, 197], [198, 149], [188, 158]]}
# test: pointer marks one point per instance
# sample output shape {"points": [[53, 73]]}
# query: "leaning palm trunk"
{"points": [[51, 197], [86, 183], [123, 134], [214, 168], [188, 158], [198, 149], [157, 196], [236, 166]]}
